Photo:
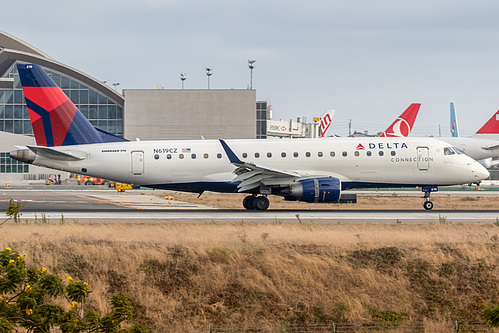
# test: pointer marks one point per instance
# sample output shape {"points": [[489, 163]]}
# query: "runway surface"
{"points": [[100, 205]]}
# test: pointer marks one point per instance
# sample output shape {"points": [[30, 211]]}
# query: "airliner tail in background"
{"points": [[491, 128], [326, 120], [403, 125], [56, 121], [454, 129]]}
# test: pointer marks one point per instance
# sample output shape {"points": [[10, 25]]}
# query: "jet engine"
{"points": [[324, 189]]}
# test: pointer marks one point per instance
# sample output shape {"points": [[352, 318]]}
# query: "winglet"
{"points": [[232, 156]]}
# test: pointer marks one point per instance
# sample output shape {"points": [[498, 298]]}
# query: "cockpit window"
{"points": [[459, 151], [448, 151]]}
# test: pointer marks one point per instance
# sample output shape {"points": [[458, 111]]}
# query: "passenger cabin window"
{"points": [[332, 154], [307, 154], [283, 154], [219, 155], [295, 154], [393, 153], [257, 155], [448, 151], [319, 154], [269, 154], [381, 153], [356, 153], [193, 156], [205, 155], [245, 155], [169, 156], [181, 156], [156, 156], [369, 153], [344, 154]]}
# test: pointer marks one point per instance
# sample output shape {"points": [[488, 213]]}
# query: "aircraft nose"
{"points": [[479, 171]]}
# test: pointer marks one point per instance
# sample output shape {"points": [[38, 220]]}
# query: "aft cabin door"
{"points": [[423, 158], [137, 162]]}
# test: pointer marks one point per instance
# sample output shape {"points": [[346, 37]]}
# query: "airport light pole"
{"points": [[251, 66], [208, 74], [182, 78], [116, 84]]}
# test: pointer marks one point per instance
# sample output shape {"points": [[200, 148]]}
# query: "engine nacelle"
{"points": [[324, 189]]}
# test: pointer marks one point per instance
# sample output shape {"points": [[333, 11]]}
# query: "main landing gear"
{"points": [[427, 204], [252, 202]]}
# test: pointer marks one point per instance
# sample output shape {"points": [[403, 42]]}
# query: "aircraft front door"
{"points": [[423, 158], [137, 162]]}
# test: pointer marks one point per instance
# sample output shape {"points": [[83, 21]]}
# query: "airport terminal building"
{"points": [[146, 114]]}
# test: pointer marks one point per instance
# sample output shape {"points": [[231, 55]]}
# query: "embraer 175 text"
{"points": [[311, 170]]}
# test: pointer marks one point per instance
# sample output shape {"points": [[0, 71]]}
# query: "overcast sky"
{"points": [[366, 59]]}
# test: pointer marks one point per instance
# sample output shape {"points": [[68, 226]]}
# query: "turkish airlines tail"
{"points": [[454, 129], [403, 125], [491, 127], [326, 120]]}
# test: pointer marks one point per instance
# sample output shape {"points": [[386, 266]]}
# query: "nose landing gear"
{"points": [[427, 204], [252, 202]]}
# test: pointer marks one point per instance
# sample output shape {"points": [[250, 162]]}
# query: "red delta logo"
{"points": [[360, 147]]}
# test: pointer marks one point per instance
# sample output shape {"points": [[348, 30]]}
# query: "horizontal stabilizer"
{"points": [[54, 154]]}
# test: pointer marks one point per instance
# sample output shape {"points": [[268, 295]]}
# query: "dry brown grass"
{"points": [[184, 275], [234, 201]]}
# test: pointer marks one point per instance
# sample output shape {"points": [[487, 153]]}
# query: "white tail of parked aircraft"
{"points": [[326, 120], [310, 170]]}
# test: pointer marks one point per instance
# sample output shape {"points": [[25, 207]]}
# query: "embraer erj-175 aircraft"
{"points": [[311, 170]]}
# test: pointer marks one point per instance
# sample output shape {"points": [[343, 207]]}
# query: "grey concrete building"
{"points": [[159, 114]]}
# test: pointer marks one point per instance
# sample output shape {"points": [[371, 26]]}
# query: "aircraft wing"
{"points": [[252, 175]]}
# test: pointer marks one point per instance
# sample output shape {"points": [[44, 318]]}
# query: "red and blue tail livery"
{"points": [[56, 121]]}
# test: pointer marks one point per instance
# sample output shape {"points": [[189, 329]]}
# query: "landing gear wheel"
{"points": [[428, 205], [248, 202], [261, 203]]}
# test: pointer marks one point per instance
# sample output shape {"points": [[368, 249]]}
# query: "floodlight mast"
{"points": [[251, 66], [208, 74], [182, 78], [116, 84]]}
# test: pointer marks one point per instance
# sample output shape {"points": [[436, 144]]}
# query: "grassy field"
{"points": [[182, 275]]}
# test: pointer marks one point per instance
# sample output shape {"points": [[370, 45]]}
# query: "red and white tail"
{"points": [[403, 125], [326, 120], [491, 127]]}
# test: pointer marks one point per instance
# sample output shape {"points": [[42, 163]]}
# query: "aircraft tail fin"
{"points": [[56, 121], [491, 127], [326, 120], [403, 125], [454, 129]]}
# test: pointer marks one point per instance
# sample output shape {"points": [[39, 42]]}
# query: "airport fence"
{"points": [[408, 327]]}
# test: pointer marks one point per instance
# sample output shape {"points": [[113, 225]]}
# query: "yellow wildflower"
{"points": [[72, 306], [27, 288], [29, 312], [11, 261], [69, 279], [7, 249], [44, 270], [85, 284], [20, 256]]}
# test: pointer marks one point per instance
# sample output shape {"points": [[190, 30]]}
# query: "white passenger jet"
{"points": [[310, 170], [483, 145]]}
